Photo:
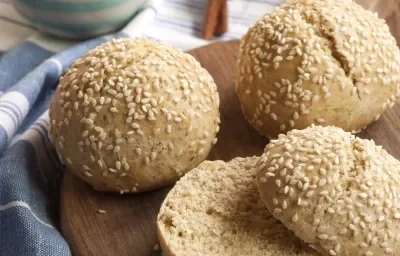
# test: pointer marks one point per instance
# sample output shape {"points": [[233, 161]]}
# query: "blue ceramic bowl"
{"points": [[78, 18]]}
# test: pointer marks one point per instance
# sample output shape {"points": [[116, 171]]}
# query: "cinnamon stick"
{"points": [[222, 23], [211, 18]]}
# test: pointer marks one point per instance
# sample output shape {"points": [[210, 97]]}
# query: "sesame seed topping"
{"points": [[295, 217], [316, 55], [133, 90], [339, 174]]}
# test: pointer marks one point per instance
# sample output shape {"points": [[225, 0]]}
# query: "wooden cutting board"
{"points": [[128, 226]]}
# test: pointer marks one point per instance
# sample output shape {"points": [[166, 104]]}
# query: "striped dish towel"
{"points": [[30, 66]]}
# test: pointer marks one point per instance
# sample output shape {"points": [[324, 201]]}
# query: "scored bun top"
{"points": [[134, 114], [337, 192], [316, 61]]}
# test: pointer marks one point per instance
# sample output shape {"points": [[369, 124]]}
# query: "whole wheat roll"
{"points": [[315, 61], [133, 115], [337, 192]]}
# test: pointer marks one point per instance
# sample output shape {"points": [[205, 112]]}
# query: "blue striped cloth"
{"points": [[30, 66]]}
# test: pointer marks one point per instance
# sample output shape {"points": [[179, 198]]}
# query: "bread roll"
{"points": [[337, 192], [133, 115], [216, 210], [317, 62]]}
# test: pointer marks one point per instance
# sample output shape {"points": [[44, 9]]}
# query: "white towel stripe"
{"points": [[6, 120], [37, 136], [142, 20], [22, 204], [59, 65]]}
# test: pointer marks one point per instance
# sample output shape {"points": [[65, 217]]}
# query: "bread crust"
{"points": [[316, 62], [134, 115], [335, 191]]}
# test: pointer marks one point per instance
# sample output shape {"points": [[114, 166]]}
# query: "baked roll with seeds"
{"points": [[337, 192], [316, 61], [133, 115], [216, 210]]}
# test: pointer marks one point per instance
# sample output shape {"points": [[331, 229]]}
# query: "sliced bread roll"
{"points": [[216, 210]]}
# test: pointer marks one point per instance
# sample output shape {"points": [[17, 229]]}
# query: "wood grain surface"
{"points": [[128, 225]]}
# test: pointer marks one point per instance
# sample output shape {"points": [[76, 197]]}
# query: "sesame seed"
{"points": [[363, 195], [138, 151], [126, 166], [284, 205], [323, 236], [270, 174], [310, 193]]}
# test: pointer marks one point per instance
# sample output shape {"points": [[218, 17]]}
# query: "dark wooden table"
{"points": [[388, 10]]}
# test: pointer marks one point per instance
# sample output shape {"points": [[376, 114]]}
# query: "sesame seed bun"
{"points": [[133, 115], [216, 210], [337, 192], [316, 61]]}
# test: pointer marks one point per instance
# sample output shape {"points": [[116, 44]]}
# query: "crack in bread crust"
{"points": [[324, 29]]}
